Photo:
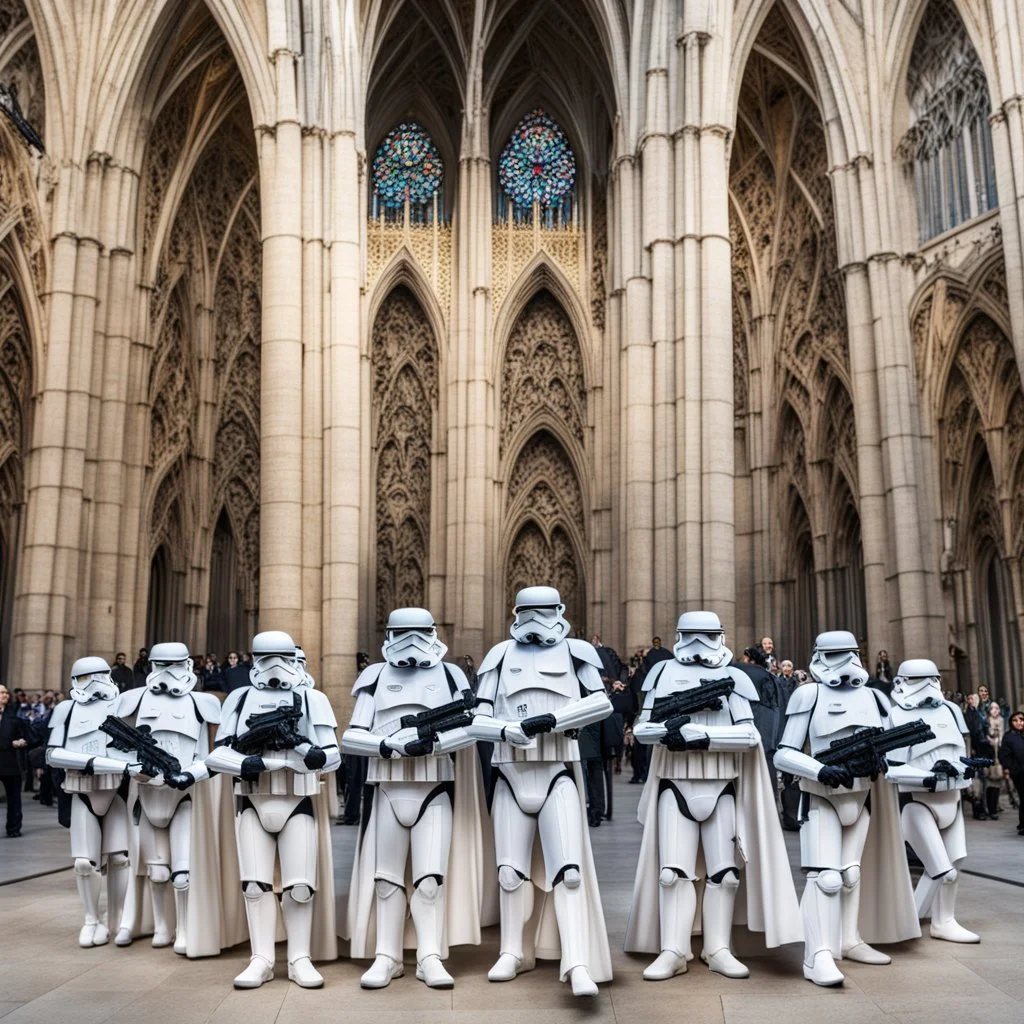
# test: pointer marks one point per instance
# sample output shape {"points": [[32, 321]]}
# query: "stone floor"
{"points": [[46, 979]]}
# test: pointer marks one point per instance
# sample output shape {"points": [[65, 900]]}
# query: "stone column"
{"points": [[281, 463]]}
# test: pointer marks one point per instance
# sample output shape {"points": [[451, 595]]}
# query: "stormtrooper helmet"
{"points": [[171, 670], [410, 639], [700, 640], [90, 680], [307, 679], [918, 684], [836, 659], [539, 617], [274, 665]]}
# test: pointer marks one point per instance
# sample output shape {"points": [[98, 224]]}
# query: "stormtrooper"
{"points": [[174, 716], [850, 842], [97, 783], [534, 692], [277, 735], [930, 777], [414, 796], [708, 789]]}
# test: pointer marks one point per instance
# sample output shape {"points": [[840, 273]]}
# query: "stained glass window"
{"points": [[407, 163], [537, 165]]}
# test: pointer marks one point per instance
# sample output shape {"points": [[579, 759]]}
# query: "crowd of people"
{"points": [[607, 747]]}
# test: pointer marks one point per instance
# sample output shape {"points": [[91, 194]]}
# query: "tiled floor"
{"points": [[46, 979]]}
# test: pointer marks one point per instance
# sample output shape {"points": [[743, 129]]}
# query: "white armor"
{"points": [[276, 815], [697, 802], [539, 673], [179, 721], [414, 790], [833, 835], [97, 783], [930, 776]]}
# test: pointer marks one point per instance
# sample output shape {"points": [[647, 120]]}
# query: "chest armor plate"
{"points": [[258, 702], [84, 735], [948, 742], [527, 667], [676, 678], [166, 714], [407, 692], [838, 712]]}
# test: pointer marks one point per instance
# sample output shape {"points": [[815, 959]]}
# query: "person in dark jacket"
{"points": [[122, 675], [234, 674], [769, 709], [140, 670], [593, 776], [1011, 757], [16, 736]]}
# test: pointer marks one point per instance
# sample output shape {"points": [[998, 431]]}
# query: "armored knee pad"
{"points": [[300, 893], [950, 876], [569, 876], [117, 861], [180, 881], [384, 888], [829, 882], [254, 890], [83, 867], [851, 876], [669, 876], [509, 879], [159, 874], [728, 877], [428, 887]]}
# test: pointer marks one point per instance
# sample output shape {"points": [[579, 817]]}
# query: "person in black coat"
{"points": [[769, 709], [234, 674], [121, 673], [1011, 757], [16, 735]]}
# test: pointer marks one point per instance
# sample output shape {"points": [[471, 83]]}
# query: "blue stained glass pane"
{"points": [[407, 162], [537, 162]]}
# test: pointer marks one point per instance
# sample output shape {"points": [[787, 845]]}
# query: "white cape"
{"points": [[469, 905], [766, 901]]}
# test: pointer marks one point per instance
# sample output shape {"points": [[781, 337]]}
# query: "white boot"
{"points": [[181, 921], [823, 971], [381, 971], [88, 881], [118, 872], [719, 901], [944, 924], [298, 924], [854, 947], [261, 915], [820, 911], [161, 926], [431, 971], [668, 965], [582, 983], [516, 908]]}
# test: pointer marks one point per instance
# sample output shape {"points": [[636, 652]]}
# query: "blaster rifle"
{"points": [[863, 753], [272, 730], [975, 764], [140, 740], [676, 709], [428, 724]]}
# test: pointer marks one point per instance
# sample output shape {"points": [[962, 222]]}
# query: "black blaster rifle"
{"points": [[863, 753], [456, 715], [140, 740], [676, 709], [272, 730]]}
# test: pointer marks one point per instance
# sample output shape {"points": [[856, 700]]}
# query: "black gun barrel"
{"points": [[692, 701], [873, 741], [127, 738], [450, 716], [272, 730]]}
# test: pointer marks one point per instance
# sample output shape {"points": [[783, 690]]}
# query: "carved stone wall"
{"points": [[542, 371], [405, 389]]}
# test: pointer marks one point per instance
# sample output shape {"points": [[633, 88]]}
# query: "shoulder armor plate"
{"points": [[494, 657], [208, 707], [583, 650], [129, 701], [805, 696], [652, 677], [319, 710], [369, 676]]}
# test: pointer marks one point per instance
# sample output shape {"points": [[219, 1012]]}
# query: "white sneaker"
{"points": [[952, 931], [862, 953], [259, 972], [724, 963], [161, 939], [824, 971], [93, 935], [668, 965], [304, 974], [123, 937], [508, 966], [431, 972], [582, 983], [381, 971]]}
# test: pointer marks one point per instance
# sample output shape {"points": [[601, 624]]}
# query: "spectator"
{"points": [[121, 673], [883, 671], [994, 775], [624, 709], [213, 675], [770, 708], [140, 670], [977, 728], [235, 674], [768, 649], [355, 768], [612, 665], [16, 736], [593, 776], [469, 667], [1011, 757]]}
